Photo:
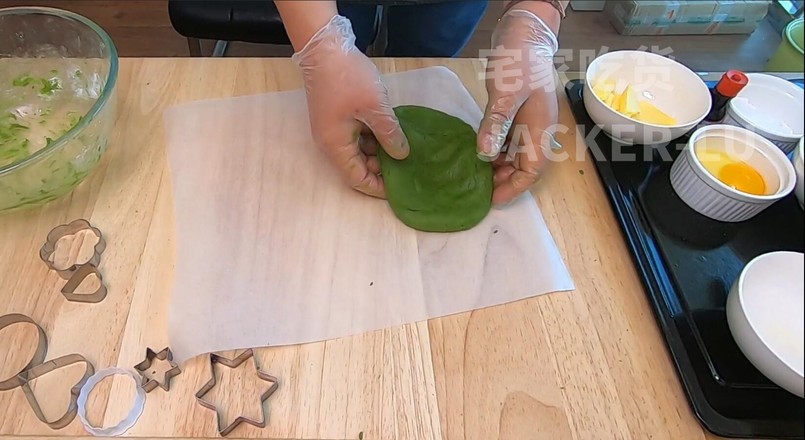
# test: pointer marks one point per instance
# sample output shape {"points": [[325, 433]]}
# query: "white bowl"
{"points": [[766, 318], [771, 106], [710, 197], [670, 86], [799, 168]]}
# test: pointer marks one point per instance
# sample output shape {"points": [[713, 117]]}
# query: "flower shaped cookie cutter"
{"points": [[78, 271]]}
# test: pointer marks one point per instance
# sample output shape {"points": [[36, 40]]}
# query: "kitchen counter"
{"points": [[586, 364]]}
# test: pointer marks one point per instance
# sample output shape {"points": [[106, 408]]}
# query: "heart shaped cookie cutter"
{"points": [[76, 273], [36, 368], [47, 367], [78, 277]]}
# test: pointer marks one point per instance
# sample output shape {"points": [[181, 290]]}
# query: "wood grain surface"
{"points": [[587, 364]]}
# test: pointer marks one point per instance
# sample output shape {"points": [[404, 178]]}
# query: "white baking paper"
{"points": [[273, 249]]}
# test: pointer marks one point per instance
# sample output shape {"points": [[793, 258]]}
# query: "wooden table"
{"points": [[587, 364]]}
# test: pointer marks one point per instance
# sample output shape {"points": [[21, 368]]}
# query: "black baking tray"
{"points": [[687, 263]]}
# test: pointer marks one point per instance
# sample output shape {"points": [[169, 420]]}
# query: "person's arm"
{"points": [[559, 5], [350, 113], [303, 18], [521, 85]]}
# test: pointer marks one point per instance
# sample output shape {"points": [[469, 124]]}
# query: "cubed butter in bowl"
{"points": [[643, 98], [623, 98]]}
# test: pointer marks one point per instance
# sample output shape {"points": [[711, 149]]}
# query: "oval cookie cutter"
{"points": [[39, 355], [37, 368]]}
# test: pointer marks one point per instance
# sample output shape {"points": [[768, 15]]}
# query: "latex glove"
{"points": [[520, 81], [347, 102]]}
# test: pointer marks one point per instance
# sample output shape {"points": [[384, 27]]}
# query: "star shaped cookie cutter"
{"points": [[149, 383], [234, 363]]}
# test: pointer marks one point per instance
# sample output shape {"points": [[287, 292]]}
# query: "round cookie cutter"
{"points": [[130, 419]]}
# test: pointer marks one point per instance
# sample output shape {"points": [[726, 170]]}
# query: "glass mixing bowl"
{"points": [[58, 75]]}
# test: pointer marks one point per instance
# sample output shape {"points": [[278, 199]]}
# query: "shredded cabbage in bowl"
{"points": [[42, 100]]}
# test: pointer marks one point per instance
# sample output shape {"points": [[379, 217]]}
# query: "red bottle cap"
{"points": [[731, 83]]}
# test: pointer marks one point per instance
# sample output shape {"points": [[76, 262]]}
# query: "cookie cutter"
{"points": [[39, 355], [78, 277], [234, 363], [149, 383], [45, 368], [131, 418], [72, 228]]}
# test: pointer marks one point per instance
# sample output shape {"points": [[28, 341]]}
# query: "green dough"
{"points": [[442, 186]]}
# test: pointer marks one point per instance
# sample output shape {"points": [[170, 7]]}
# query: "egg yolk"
{"points": [[732, 172], [742, 177]]}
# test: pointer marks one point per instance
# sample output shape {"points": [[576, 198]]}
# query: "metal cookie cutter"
{"points": [[72, 228], [234, 363], [47, 367], [149, 383], [39, 355], [78, 277]]}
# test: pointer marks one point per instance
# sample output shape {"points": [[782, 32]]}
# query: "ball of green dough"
{"points": [[442, 186]]}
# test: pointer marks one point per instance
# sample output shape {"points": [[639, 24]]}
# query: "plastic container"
{"points": [[587, 5], [789, 54]]}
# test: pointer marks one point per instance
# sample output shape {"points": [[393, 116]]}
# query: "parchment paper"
{"points": [[273, 249]]}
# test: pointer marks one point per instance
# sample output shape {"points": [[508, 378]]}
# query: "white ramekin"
{"points": [[763, 104], [710, 197]]}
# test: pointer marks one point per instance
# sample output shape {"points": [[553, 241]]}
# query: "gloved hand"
{"points": [[348, 102], [520, 81]]}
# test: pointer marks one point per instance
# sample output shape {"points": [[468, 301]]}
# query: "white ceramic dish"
{"points": [[799, 167], [766, 316], [771, 106], [710, 197], [669, 85]]}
